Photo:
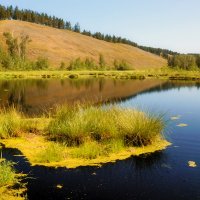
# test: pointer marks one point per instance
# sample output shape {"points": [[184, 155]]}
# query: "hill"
{"points": [[63, 46]]}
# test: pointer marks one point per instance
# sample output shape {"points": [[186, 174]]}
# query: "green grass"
{"points": [[11, 186], [14, 124], [10, 123], [51, 153], [88, 131], [7, 174], [76, 126], [93, 149], [163, 73]]}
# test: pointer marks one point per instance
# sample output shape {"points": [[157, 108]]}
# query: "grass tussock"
{"points": [[10, 123], [97, 131], [7, 174], [15, 124], [10, 185]]}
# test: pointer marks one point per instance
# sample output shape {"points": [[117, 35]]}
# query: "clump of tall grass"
{"points": [[10, 123], [76, 126], [13, 124], [7, 174]]}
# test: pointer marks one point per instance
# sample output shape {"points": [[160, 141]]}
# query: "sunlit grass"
{"points": [[7, 174], [76, 126], [51, 153], [84, 131], [10, 123]]}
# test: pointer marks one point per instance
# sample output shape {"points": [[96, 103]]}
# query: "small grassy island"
{"points": [[82, 135]]}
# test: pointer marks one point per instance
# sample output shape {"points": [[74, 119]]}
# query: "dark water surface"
{"points": [[157, 176]]}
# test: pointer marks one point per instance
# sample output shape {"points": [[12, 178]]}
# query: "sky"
{"points": [[170, 24]]}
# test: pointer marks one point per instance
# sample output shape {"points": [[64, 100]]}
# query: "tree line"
{"points": [[184, 61], [52, 21]]}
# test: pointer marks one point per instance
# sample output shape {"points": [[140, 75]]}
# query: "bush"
{"points": [[121, 65], [41, 64]]}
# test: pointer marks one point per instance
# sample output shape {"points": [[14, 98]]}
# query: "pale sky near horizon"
{"points": [[170, 24]]}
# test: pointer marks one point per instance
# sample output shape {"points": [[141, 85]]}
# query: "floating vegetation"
{"points": [[59, 186], [182, 125], [192, 164], [175, 117]]}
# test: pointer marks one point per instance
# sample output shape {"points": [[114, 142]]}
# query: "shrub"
{"points": [[121, 65], [41, 63]]}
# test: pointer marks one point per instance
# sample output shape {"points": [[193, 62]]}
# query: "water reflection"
{"points": [[162, 175], [35, 96]]}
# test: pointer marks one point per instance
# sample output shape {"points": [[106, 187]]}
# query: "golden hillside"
{"points": [[63, 46]]}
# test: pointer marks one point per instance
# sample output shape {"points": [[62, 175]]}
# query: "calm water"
{"points": [[161, 175]]}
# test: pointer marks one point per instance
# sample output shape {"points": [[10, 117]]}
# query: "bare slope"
{"points": [[62, 45]]}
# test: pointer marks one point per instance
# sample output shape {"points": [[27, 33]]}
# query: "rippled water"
{"points": [[161, 175]]}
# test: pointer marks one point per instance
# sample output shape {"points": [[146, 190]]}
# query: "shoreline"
{"points": [[165, 74], [30, 147]]}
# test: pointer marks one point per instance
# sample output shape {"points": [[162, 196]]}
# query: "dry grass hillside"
{"points": [[63, 46]]}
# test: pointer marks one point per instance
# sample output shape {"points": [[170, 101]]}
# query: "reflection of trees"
{"points": [[41, 84], [16, 92], [101, 84], [78, 83]]}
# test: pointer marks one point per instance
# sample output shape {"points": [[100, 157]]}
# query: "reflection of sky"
{"points": [[175, 101]]}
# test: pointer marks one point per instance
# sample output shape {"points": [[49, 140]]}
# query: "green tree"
{"points": [[198, 61], [102, 62], [13, 44], [77, 28]]}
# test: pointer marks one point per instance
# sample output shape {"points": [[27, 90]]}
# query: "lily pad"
{"points": [[59, 186], [175, 117], [192, 164], [182, 125]]}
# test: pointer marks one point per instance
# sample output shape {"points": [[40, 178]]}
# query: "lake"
{"points": [[161, 175]]}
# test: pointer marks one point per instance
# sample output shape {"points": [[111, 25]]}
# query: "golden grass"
{"points": [[63, 46]]}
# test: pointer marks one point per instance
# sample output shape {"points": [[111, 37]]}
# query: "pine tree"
{"points": [[77, 28]]}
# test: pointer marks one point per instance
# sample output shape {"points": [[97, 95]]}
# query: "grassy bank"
{"points": [[81, 136], [164, 73], [10, 186]]}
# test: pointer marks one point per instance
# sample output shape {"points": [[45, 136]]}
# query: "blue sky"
{"points": [[171, 24]]}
